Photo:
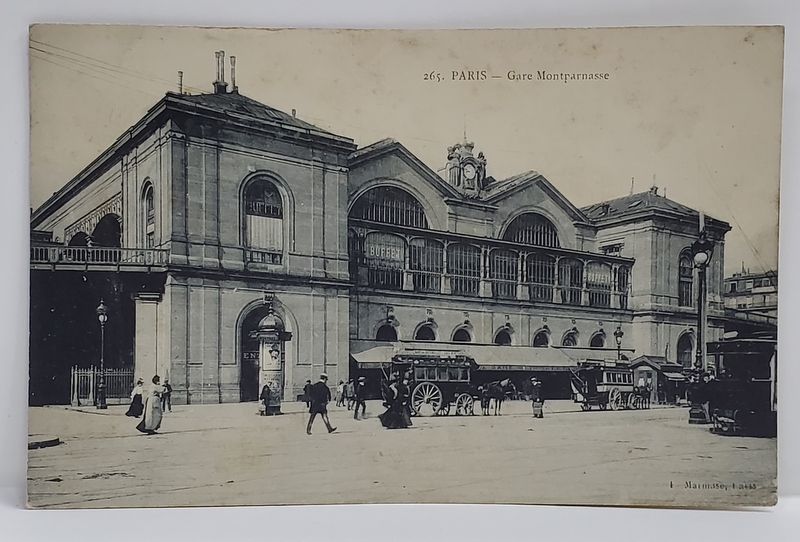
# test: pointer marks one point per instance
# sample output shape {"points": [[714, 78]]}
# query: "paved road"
{"points": [[226, 455]]}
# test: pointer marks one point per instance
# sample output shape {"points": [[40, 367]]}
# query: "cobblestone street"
{"points": [[226, 455]]}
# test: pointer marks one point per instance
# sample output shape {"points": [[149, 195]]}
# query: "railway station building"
{"points": [[236, 245]]}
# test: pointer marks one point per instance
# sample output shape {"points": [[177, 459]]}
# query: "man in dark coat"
{"points": [[306, 394], [320, 395], [360, 392]]}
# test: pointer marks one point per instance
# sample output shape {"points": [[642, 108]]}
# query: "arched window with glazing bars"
{"points": [[384, 256], [570, 280], [685, 278], [570, 339], [532, 229], [263, 208], [541, 273], [685, 348], [598, 282], [623, 283], [390, 205], [149, 217], [503, 271], [426, 264], [464, 269]]}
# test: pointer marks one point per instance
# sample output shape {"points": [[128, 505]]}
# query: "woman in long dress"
{"points": [[152, 408], [137, 406], [394, 401]]}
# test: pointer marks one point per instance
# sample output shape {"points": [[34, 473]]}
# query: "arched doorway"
{"points": [[425, 333], [598, 340], [248, 354], [503, 338], [685, 348], [386, 333]]}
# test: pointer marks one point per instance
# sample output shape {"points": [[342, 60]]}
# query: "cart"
{"points": [[604, 384], [439, 383]]}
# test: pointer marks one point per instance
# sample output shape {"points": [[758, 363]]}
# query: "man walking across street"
{"points": [[360, 393], [166, 397], [320, 395]]}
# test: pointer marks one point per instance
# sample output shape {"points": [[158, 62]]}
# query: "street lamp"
{"points": [[702, 250], [102, 316], [618, 337]]}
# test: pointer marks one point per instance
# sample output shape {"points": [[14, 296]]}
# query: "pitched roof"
{"points": [[659, 363], [635, 203], [236, 104]]}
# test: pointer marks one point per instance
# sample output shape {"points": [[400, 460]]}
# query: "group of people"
{"points": [[150, 404]]}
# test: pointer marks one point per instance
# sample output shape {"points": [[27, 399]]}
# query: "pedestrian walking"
{"points": [[340, 393], [393, 398], [350, 387], [137, 405], [151, 421], [320, 395], [306, 391], [166, 397], [360, 392], [536, 398], [265, 397]]}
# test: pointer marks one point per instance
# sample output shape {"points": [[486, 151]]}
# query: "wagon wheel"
{"points": [[444, 411], [615, 399], [633, 402], [465, 405], [426, 399], [585, 407]]}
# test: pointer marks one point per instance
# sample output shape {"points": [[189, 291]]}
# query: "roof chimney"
{"points": [[180, 82], [294, 112], [220, 85], [234, 88]]}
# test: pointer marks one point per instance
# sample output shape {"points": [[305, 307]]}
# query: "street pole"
{"points": [[102, 311], [701, 249]]}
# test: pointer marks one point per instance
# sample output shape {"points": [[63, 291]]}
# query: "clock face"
{"points": [[469, 171]]}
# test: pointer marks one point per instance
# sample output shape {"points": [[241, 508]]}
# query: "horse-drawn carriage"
{"points": [[439, 383], [606, 385]]}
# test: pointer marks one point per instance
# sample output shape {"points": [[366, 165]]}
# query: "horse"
{"points": [[499, 391]]}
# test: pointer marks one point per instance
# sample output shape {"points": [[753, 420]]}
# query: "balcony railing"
{"points": [[98, 256]]}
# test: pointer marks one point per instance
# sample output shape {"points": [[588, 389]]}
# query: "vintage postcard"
{"points": [[357, 266]]}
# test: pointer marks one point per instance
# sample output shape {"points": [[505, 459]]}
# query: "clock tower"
{"points": [[465, 171]]}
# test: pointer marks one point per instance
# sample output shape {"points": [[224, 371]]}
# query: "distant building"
{"points": [[752, 292]]}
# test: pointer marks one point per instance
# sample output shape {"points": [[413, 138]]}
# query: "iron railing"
{"points": [[98, 255]]}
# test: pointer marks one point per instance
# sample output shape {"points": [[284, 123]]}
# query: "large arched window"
{"points": [[385, 256], [541, 276], [462, 335], [503, 266], [532, 229], [390, 205], [685, 347], [570, 278], [598, 282], [386, 333], [425, 333], [464, 268], [263, 207], [503, 338], [685, 269], [426, 264], [623, 282], [148, 205]]}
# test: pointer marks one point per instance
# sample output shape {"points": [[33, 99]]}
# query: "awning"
{"points": [[487, 357], [677, 377]]}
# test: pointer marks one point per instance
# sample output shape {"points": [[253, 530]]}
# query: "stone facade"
{"points": [[199, 155]]}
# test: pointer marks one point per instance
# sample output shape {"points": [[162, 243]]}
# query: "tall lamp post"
{"points": [[701, 253], [618, 337], [102, 316]]}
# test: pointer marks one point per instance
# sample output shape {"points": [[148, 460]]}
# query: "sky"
{"points": [[695, 111]]}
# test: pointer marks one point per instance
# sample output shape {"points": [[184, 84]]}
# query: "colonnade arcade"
{"points": [[392, 248]]}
